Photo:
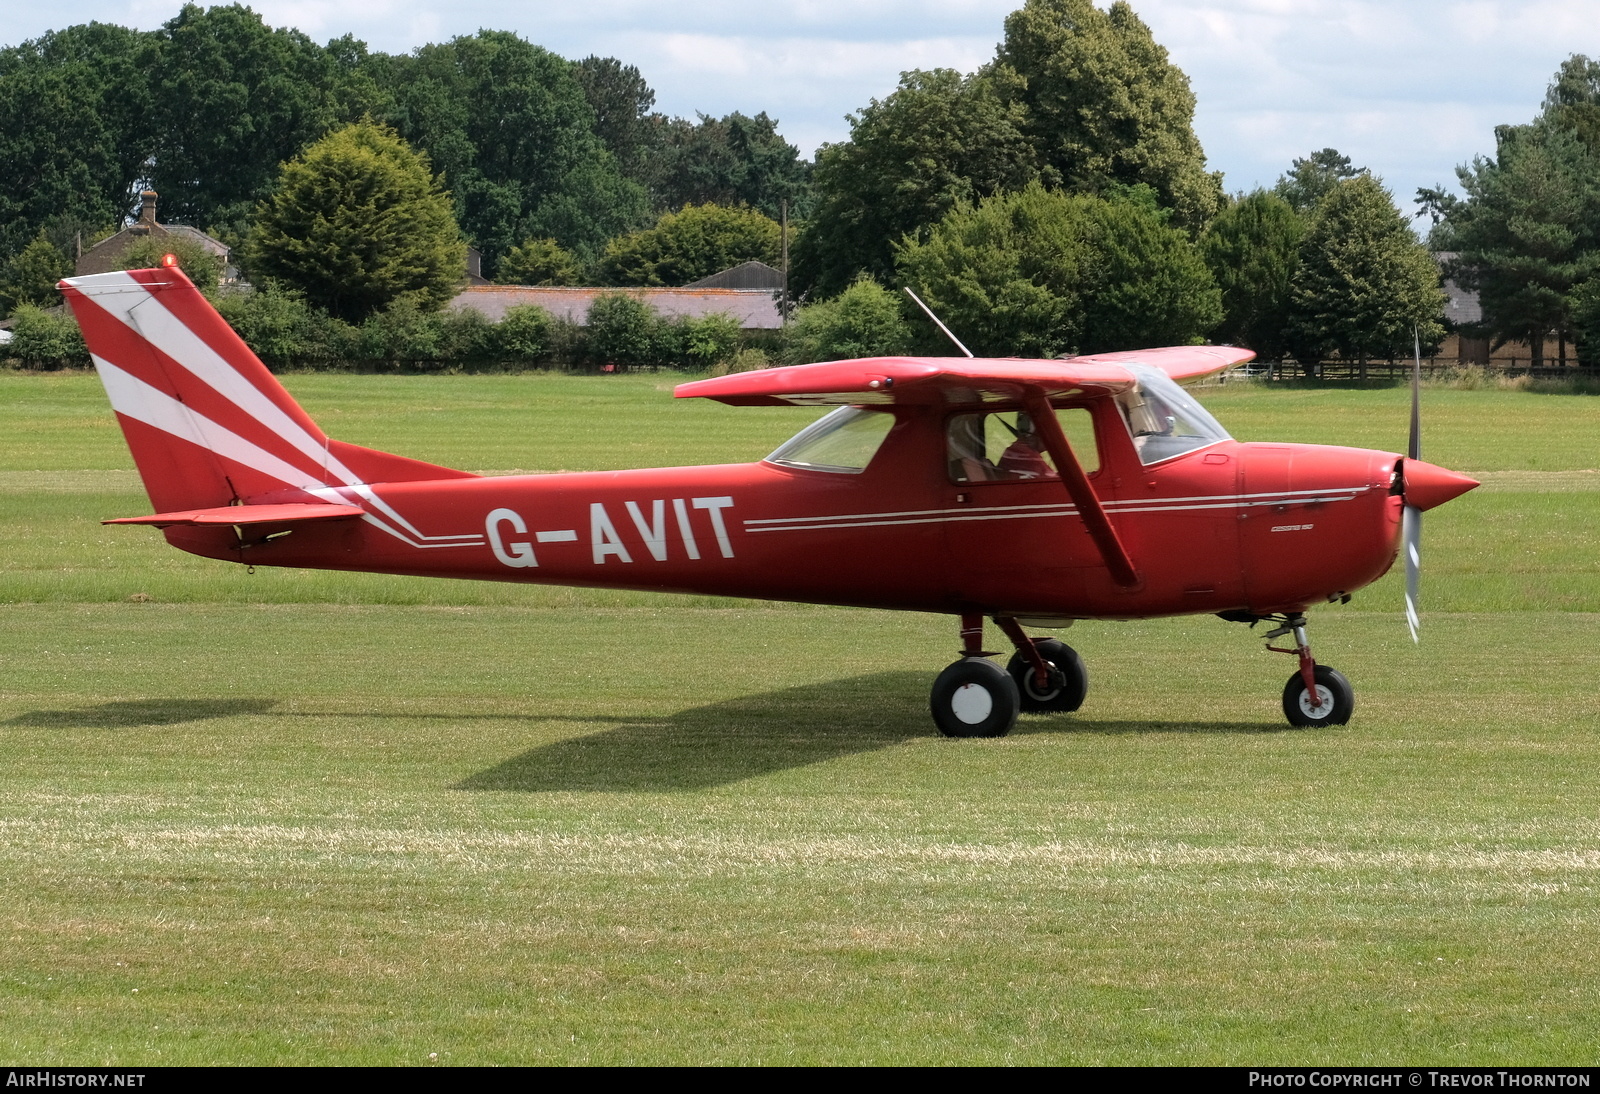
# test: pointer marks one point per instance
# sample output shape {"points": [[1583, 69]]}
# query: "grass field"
{"points": [[305, 818]]}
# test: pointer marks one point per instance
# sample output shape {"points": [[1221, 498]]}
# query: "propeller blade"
{"points": [[1411, 544], [1411, 518]]}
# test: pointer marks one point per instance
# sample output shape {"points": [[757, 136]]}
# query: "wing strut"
{"points": [[1083, 496]]}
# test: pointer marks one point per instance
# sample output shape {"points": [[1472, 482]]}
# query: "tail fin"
{"points": [[208, 425]]}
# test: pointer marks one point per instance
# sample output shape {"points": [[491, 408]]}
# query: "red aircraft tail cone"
{"points": [[1429, 485]]}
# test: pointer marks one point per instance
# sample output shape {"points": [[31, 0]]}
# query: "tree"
{"points": [[691, 244], [1529, 231], [621, 101], [1152, 287], [939, 140], [30, 278], [46, 340], [200, 265], [1583, 303], [1008, 276], [509, 127], [1573, 100], [232, 99], [1363, 283], [699, 343], [75, 129], [1040, 273], [358, 221], [731, 160], [1104, 105], [863, 321], [1311, 179], [621, 330], [523, 333], [540, 262], [1253, 249]]}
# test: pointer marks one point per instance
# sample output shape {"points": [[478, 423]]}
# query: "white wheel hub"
{"points": [[1325, 699], [972, 703]]}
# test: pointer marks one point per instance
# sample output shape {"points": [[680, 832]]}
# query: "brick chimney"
{"points": [[147, 209]]}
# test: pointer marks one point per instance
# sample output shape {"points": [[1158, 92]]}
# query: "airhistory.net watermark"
{"points": [[55, 1078]]}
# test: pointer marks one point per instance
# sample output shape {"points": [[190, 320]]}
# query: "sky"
{"points": [[1407, 88]]}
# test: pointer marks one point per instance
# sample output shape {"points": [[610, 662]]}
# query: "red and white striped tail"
{"points": [[208, 425]]}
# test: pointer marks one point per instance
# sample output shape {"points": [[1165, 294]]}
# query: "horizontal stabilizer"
{"points": [[247, 514]]}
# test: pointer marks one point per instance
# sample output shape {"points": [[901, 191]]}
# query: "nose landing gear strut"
{"points": [[1316, 695]]}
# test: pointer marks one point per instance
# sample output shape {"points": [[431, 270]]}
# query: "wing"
{"points": [[911, 380]]}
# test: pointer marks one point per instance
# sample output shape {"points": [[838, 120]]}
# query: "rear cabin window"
{"points": [[1003, 446], [842, 442]]}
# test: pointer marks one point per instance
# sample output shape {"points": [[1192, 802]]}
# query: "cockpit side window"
{"points": [[842, 442], [1004, 446], [1163, 420]]}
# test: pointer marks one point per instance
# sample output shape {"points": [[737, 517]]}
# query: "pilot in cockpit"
{"points": [[1024, 457]]}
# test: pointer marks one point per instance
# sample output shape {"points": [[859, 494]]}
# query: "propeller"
{"points": [[1411, 518]]}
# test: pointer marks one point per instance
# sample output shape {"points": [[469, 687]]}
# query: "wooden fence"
{"points": [[1432, 367]]}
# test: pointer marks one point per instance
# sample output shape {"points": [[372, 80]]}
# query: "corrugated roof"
{"points": [[755, 309], [746, 275], [1461, 306]]}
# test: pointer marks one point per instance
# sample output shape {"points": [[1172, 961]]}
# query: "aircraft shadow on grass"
{"points": [[707, 746], [132, 714], [754, 735]]}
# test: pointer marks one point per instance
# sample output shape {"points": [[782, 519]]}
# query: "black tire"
{"points": [[1069, 680], [974, 698], [1339, 700]]}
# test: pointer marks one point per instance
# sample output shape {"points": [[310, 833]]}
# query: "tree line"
{"points": [[205, 109], [1527, 234], [1055, 201]]}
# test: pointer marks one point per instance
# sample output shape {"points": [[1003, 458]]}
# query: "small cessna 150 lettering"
{"points": [[1033, 493]]}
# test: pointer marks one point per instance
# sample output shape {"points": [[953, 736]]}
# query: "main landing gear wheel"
{"points": [[1069, 680], [1336, 699], [975, 698]]}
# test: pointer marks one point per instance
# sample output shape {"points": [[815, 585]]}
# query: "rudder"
{"points": [[207, 423]]}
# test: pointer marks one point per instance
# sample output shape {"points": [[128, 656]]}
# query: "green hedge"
{"points": [[289, 334], [45, 339]]}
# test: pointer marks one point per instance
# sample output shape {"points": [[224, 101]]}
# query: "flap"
{"points": [[248, 514], [955, 380]]}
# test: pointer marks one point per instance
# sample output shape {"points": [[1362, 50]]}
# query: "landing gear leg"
{"points": [[1316, 695], [1049, 673], [974, 697]]}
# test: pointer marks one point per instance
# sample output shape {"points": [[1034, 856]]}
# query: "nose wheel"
{"points": [[1332, 704], [1316, 695]]}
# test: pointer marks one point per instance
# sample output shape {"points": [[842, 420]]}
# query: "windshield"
{"points": [[1163, 419], [843, 442]]}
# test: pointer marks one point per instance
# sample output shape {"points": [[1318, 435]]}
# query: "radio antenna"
{"points": [[938, 322]]}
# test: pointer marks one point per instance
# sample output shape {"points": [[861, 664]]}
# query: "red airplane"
{"points": [[1033, 493]]}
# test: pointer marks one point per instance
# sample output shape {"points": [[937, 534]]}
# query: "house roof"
{"points": [[755, 309], [746, 275], [103, 256], [1461, 306]]}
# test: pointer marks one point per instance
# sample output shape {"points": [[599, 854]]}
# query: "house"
{"points": [[104, 256], [1462, 314]]}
